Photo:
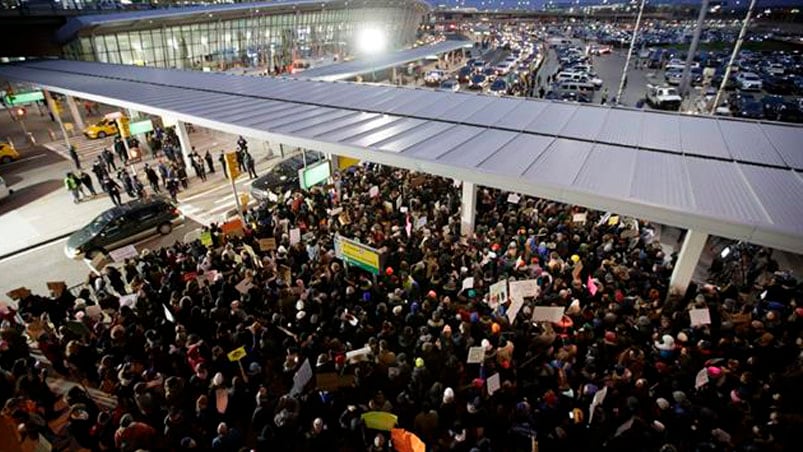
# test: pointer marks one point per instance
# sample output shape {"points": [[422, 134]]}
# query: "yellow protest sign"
{"points": [[379, 420], [206, 238], [232, 167], [236, 354], [346, 162]]}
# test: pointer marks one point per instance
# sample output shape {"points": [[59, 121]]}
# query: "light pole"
{"points": [[629, 54], [695, 40], [736, 49]]}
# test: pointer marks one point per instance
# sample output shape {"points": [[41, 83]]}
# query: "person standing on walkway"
{"points": [[99, 168], [222, 160], [119, 149], [108, 157], [87, 182], [72, 186], [113, 189], [74, 157], [153, 178], [604, 98], [210, 162], [541, 92], [250, 164], [241, 159]]}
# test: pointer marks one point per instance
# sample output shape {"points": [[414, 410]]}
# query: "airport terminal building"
{"points": [[273, 34]]}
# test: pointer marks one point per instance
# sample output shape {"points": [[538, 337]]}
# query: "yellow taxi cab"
{"points": [[104, 128], [8, 153]]}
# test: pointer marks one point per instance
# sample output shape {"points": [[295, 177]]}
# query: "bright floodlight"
{"points": [[371, 41]]}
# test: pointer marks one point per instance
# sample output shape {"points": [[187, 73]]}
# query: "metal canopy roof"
{"points": [[128, 18], [350, 69], [731, 178]]}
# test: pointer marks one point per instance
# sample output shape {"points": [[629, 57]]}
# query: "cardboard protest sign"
{"points": [[580, 218], [233, 227], [468, 283], [302, 377], [336, 211], [128, 300], [236, 354], [513, 198], [513, 310], [379, 420], [19, 293], [700, 317], [99, 262], [57, 287], [267, 244], [701, 379], [206, 238], [498, 293], [121, 254], [524, 289], [548, 314], [361, 354], [493, 383], [419, 180], [295, 236], [613, 220], [476, 355]]}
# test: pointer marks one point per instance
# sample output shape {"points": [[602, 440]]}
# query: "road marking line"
{"points": [[26, 159], [36, 248]]}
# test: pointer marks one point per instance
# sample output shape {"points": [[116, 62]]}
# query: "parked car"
{"points": [[752, 110], [748, 81], [663, 97], [283, 176], [123, 225], [478, 81], [778, 85], [8, 153], [499, 87], [464, 74], [450, 85]]}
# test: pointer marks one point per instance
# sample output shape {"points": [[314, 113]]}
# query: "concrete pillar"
{"points": [[468, 209], [184, 140], [76, 114], [268, 150], [689, 255], [51, 104]]}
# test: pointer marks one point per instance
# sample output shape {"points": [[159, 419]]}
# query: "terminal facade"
{"points": [[276, 34]]}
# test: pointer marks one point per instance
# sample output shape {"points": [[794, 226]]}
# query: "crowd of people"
{"points": [[318, 344]]}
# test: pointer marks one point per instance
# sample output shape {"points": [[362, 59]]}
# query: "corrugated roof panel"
{"points": [[661, 132], [608, 170], [780, 192], [585, 123], [560, 162], [442, 143], [701, 136], [386, 132], [414, 136], [493, 112], [552, 119], [357, 129], [786, 140], [269, 117], [415, 100], [337, 124], [380, 104], [471, 154], [465, 109], [747, 143], [270, 122], [517, 155], [621, 127], [720, 191], [662, 179], [334, 115], [262, 108], [521, 115], [446, 103], [353, 98]]}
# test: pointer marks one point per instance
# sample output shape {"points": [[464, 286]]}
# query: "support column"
{"points": [[51, 104], [184, 140], [468, 209], [76, 114], [687, 260]]}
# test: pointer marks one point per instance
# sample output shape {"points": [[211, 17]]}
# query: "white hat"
{"points": [[299, 305]]}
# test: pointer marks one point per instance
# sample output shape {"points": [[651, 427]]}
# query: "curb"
{"points": [[36, 245]]}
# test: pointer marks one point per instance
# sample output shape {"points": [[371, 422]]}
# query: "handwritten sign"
{"points": [[524, 289], [700, 317], [361, 354], [580, 218], [236, 354], [19, 293], [206, 238], [128, 300], [468, 283], [302, 377], [57, 287], [513, 198], [476, 355], [494, 383], [233, 227], [498, 293], [513, 310], [121, 254], [548, 314], [295, 236], [267, 244], [244, 286]]}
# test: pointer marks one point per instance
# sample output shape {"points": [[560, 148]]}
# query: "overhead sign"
{"points": [[140, 127], [346, 162], [24, 98], [357, 254], [312, 175]]}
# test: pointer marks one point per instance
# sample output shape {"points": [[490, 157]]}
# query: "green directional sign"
{"points": [[312, 175], [140, 127], [24, 98]]}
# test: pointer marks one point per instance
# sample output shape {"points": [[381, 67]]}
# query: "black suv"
{"points": [[283, 176], [123, 225]]}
